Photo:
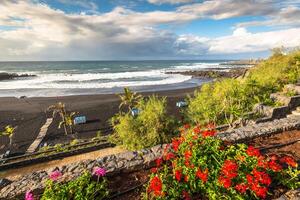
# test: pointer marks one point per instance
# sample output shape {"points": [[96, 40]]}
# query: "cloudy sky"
{"points": [[145, 29]]}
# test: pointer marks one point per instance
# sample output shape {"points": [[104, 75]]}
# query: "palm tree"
{"points": [[8, 131], [129, 98], [66, 118]]}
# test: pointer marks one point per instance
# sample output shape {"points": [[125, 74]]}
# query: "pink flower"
{"points": [[29, 196], [55, 175], [98, 171]]}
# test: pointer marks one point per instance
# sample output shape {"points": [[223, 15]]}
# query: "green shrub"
{"points": [[221, 101], [150, 127], [227, 100], [82, 188], [74, 142]]}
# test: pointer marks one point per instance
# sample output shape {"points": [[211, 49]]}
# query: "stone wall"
{"points": [[131, 161]]}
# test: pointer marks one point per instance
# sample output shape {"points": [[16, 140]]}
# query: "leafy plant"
{"points": [[82, 188], [58, 148], [8, 131], [129, 98], [66, 117], [203, 167], [150, 127], [74, 142]]}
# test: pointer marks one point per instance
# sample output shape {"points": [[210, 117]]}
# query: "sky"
{"points": [[146, 29]]}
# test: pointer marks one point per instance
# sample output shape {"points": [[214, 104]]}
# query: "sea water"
{"points": [[100, 77]]}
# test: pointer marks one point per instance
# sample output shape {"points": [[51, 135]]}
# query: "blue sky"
{"points": [[146, 29]]}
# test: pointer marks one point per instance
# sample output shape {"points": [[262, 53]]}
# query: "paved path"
{"points": [[40, 136], [14, 174]]}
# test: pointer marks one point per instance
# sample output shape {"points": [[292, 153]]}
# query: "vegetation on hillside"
{"points": [[227, 100]]}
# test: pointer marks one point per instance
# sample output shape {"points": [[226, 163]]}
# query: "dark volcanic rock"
{"points": [[232, 73], [9, 76]]}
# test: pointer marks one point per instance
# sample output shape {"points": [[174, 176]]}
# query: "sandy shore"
{"points": [[29, 115]]}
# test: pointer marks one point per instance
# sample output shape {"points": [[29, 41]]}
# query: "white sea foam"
{"points": [[196, 66], [95, 80]]}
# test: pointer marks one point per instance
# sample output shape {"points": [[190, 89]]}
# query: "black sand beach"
{"points": [[28, 114]]}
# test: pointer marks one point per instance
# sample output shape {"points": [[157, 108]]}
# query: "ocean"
{"points": [[99, 77]]}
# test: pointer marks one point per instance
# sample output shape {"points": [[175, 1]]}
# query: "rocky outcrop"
{"points": [[214, 73], [9, 76]]}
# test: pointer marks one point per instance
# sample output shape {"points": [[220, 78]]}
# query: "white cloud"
{"points": [[40, 32], [255, 42], [240, 32], [169, 1], [222, 9], [286, 16]]}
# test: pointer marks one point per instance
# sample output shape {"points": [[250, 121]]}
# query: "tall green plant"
{"points": [[129, 98], [150, 127], [66, 117]]}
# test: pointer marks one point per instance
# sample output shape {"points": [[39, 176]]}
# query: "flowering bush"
{"points": [[202, 166], [84, 187]]}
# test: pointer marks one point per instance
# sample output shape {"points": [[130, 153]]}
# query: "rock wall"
{"points": [[136, 160]]}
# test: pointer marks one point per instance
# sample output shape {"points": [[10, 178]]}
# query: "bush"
{"points": [[222, 102], [201, 166], [227, 100], [150, 127], [82, 188]]}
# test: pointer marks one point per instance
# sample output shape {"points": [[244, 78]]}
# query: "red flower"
{"points": [[208, 133], [202, 175], [197, 130], [261, 192], [225, 182], [175, 144], [153, 170], [250, 179], [255, 187], [241, 188], [262, 163], [195, 137], [187, 163], [186, 178], [274, 166], [289, 161], [156, 186], [186, 195], [251, 151], [170, 156], [229, 169], [262, 177], [187, 154], [178, 175], [158, 161], [186, 126]]}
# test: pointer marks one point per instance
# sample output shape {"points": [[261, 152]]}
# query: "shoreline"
{"points": [[28, 113]]}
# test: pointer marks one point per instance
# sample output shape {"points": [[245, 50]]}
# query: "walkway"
{"points": [[40, 136]]}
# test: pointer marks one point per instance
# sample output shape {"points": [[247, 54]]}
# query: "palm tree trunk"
{"points": [[65, 129]]}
